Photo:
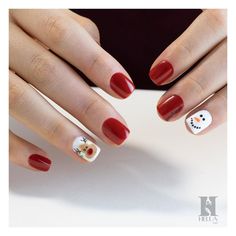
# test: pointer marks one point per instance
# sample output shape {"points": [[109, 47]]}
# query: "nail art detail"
{"points": [[85, 149], [115, 130], [121, 85], [39, 162], [161, 72], [199, 121], [170, 107]]}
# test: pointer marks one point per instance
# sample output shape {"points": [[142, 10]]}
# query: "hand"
{"points": [[203, 90], [43, 44]]}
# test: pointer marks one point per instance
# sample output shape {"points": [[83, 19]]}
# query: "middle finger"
{"points": [[205, 79], [58, 81]]}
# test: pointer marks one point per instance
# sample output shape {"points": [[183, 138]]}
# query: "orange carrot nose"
{"points": [[197, 119]]}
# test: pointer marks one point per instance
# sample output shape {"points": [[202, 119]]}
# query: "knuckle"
{"points": [[97, 61], [196, 86], [42, 67], [186, 50], [223, 97], [217, 18], [56, 29], [92, 29], [55, 129], [90, 108]]}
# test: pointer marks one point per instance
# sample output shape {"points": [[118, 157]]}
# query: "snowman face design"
{"points": [[85, 149], [199, 121]]}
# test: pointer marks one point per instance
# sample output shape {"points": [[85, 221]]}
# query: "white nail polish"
{"points": [[199, 121], [85, 149]]}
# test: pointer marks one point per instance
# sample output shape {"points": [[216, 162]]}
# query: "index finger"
{"points": [[208, 30]]}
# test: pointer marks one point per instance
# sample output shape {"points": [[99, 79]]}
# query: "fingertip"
{"points": [[121, 85], [161, 73], [169, 108], [85, 149], [39, 162], [199, 122], [27, 155], [115, 131]]}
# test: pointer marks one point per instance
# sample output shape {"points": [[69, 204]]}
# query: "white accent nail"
{"points": [[85, 149], [199, 121]]}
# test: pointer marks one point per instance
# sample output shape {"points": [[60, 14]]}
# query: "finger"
{"points": [[55, 79], [209, 115], [204, 80], [69, 40], [27, 155], [87, 24], [209, 29], [30, 108]]}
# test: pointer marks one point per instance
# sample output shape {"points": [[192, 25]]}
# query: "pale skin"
{"points": [[205, 40], [75, 39]]}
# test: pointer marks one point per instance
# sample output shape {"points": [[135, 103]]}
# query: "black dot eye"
{"points": [[201, 115], [203, 119]]}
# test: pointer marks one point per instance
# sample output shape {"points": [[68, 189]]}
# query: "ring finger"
{"points": [[208, 115], [29, 107], [208, 30], [204, 80]]}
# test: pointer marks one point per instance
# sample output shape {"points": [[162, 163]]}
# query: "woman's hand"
{"points": [[43, 44], [204, 40]]}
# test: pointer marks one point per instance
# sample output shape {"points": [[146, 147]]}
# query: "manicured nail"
{"points": [[121, 85], [85, 149], [199, 121], [39, 162], [115, 130], [161, 72], [170, 107]]}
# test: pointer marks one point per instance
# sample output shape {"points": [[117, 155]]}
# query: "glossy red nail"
{"points": [[170, 107], [161, 72], [39, 162], [115, 130], [121, 85]]}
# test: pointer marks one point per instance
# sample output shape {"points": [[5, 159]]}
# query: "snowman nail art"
{"points": [[199, 121], [85, 149]]}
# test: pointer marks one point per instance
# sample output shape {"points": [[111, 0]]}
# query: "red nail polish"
{"points": [[161, 72], [39, 162], [115, 130], [170, 107], [121, 85]]}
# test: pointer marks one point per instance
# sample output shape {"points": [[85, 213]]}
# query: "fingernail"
{"points": [[161, 72], [39, 162], [199, 121], [121, 85], [170, 107], [115, 130], [85, 148]]}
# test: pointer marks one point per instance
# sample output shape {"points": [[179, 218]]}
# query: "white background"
{"points": [[155, 179], [4, 5]]}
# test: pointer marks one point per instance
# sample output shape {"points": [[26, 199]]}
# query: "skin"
{"points": [[76, 40], [205, 40], [34, 32]]}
